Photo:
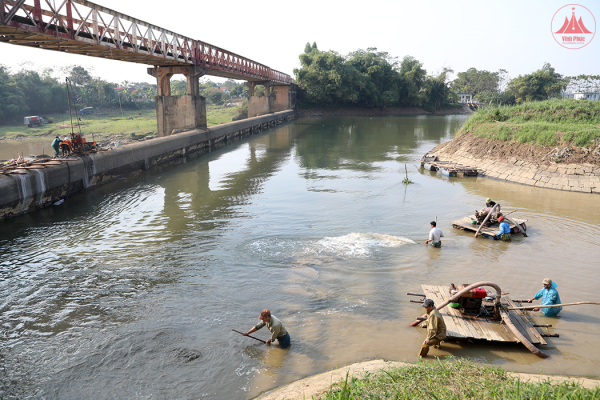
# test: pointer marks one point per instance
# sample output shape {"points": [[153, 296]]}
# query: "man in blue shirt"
{"points": [[504, 233], [549, 296], [56, 145]]}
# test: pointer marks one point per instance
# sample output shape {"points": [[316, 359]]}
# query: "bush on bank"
{"points": [[453, 379], [545, 123]]}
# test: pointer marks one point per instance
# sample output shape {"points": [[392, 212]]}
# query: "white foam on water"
{"points": [[305, 250], [359, 244]]}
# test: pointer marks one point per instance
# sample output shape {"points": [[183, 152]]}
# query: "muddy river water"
{"points": [[132, 290]]}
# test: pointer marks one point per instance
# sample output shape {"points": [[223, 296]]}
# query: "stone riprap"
{"points": [[570, 177], [43, 187]]}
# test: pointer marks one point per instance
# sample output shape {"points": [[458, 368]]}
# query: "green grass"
{"points": [[114, 125], [452, 379], [544, 123], [216, 115]]}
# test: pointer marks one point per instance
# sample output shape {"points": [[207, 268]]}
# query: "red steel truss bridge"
{"points": [[86, 28]]}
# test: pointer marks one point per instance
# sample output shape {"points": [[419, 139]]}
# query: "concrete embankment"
{"points": [[40, 188], [578, 171]]}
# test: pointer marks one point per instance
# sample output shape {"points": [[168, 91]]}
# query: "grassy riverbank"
{"points": [[544, 123], [112, 126], [453, 379]]}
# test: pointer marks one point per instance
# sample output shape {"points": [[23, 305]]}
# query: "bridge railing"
{"points": [[100, 29]]}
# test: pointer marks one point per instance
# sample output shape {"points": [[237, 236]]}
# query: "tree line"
{"points": [[28, 92], [370, 78]]}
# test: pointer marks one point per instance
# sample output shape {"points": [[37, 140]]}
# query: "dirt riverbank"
{"points": [[317, 385], [358, 111], [564, 167]]}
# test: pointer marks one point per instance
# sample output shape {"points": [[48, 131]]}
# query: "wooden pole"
{"points": [[553, 305], [241, 333], [485, 220], [518, 226]]}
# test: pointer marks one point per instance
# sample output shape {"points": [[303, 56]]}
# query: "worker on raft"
{"points": [[504, 233], [435, 235], [481, 214], [549, 296], [56, 145], [436, 328], [277, 329]]}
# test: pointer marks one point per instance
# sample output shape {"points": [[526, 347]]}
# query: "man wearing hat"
{"points": [[549, 296], [277, 329], [504, 233], [489, 205], [436, 328]]}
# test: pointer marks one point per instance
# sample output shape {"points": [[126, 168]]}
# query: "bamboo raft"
{"points": [[447, 168], [466, 224], [460, 326]]}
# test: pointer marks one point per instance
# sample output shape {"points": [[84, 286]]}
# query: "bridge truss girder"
{"points": [[86, 28]]}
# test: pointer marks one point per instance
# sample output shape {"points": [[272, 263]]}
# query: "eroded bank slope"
{"points": [[576, 170]]}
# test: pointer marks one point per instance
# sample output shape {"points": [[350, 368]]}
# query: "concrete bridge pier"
{"points": [[179, 113], [284, 99]]}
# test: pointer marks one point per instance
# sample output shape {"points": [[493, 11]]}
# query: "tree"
{"points": [[178, 87], [477, 82], [437, 91], [376, 76], [307, 48], [539, 85], [79, 76], [412, 78], [12, 100], [584, 83]]}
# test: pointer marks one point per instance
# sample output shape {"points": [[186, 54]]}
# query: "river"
{"points": [[132, 290]]}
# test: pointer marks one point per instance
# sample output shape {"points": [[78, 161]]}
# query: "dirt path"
{"points": [[318, 385]]}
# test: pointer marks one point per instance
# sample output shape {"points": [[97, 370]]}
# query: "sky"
{"points": [[489, 35]]}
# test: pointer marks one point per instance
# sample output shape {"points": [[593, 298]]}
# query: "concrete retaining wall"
{"points": [[43, 187], [571, 177]]}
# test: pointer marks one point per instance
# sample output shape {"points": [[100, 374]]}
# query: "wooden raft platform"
{"points": [[447, 168], [464, 224], [463, 326]]}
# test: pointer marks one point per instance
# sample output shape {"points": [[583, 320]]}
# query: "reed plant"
{"points": [[453, 379]]}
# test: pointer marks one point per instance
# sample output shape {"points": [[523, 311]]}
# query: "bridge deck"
{"points": [[86, 28]]}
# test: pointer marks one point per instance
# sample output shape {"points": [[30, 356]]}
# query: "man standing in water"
{"points": [[549, 296], [436, 328], [504, 233], [435, 235], [275, 326]]}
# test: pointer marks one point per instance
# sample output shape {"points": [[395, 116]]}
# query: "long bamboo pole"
{"points": [[553, 305], [241, 333], [485, 220], [518, 226]]}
